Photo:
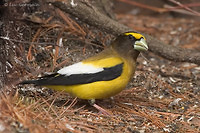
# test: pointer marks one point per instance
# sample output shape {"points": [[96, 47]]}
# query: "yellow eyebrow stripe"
{"points": [[136, 35]]}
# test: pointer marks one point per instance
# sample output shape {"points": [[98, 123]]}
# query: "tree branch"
{"points": [[90, 15]]}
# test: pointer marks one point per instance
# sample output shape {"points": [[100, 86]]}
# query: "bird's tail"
{"points": [[29, 82], [45, 80]]}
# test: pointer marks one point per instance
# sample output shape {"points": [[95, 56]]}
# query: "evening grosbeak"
{"points": [[101, 76]]}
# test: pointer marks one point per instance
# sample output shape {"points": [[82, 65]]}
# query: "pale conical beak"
{"points": [[141, 45]]}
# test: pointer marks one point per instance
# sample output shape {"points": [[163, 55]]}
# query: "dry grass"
{"points": [[162, 97], [130, 112]]}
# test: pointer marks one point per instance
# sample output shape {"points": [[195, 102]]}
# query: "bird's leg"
{"points": [[103, 111]]}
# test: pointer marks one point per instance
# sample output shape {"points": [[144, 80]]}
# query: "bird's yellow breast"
{"points": [[101, 89]]}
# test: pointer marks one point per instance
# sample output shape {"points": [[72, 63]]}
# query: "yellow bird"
{"points": [[101, 76]]}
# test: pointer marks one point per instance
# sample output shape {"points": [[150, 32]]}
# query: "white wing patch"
{"points": [[79, 68]]}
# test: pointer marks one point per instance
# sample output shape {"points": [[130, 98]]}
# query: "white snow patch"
{"points": [[2, 128], [69, 126], [73, 4]]}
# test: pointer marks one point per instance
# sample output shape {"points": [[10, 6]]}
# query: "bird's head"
{"points": [[138, 40], [129, 42]]}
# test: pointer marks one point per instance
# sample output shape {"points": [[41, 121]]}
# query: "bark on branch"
{"points": [[90, 15]]}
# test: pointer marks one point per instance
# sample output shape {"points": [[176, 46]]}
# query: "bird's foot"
{"points": [[100, 109]]}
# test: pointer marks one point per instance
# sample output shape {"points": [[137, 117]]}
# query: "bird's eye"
{"points": [[131, 37]]}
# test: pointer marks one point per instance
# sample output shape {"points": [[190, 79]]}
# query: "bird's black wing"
{"points": [[59, 79]]}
